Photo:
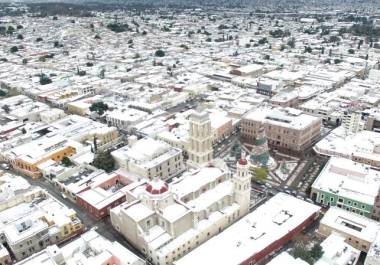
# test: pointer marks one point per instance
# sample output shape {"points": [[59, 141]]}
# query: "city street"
{"points": [[104, 227]]}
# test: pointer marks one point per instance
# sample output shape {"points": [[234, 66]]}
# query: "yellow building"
{"points": [[27, 157]]}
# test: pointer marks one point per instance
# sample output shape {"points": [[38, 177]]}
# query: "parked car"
{"points": [[5, 166]]}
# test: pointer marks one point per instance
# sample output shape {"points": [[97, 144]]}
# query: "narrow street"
{"points": [[103, 227]]}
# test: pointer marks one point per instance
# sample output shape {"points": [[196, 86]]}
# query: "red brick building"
{"points": [[103, 195]]}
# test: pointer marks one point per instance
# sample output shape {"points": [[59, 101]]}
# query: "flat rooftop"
{"points": [[253, 233], [284, 117], [349, 179], [351, 223]]}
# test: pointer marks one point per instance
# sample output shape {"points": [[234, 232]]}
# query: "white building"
{"points": [[284, 258], [373, 255], [352, 121], [337, 252], [167, 221], [125, 118], [33, 219], [90, 248], [149, 158], [363, 147], [200, 148], [359, 231], [256, 235]]}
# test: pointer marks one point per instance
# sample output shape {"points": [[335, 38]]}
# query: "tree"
{"points": [[20, 37], [6, 108], [99, 107], [3, 93], [159, 53], [263, 41], [19, 27], [184, 46], [334, 39], [102, 73], [81, 72], [56, 44], [117, 27], [308, 49], [310, 256], [97, 37], [44, 79], [266, 57], [10, 30], [292, 42], [104, 160], [14, 49], [66, 161], [351, 51], [278, 33], [39, 39], [337, 61], [24, 61], [260, 173], [317, 252], [23, 130]]}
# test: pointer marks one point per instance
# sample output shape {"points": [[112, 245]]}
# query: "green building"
{"points": [[348, 185]]}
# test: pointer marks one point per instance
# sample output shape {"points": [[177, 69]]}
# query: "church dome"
{"points": [[157, 187], [243, 162]]}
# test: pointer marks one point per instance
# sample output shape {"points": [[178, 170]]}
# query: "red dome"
{"points": [[243, 162], [157, 187]]}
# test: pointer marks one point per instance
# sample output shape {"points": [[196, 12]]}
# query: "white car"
{"points": [[5, 166]]}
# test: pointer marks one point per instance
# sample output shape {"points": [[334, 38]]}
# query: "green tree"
{"points": [[351, 51], [117, 27], [20, 37], [334, 39], [260, 173], [291, 42], [184, 46], [39, 39], [263, 41], [99, 107], [66, 161], [6, 108], [310, 256], [44, 79], [24, 61], [159, 53], [104, 160], [14, 49], [308, 49], [3, 93], [10, 30]]}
